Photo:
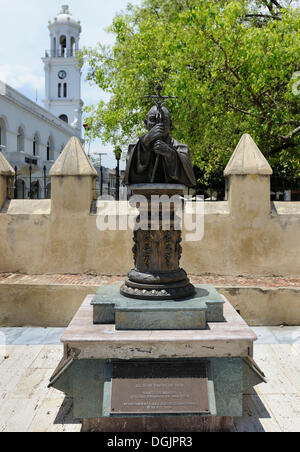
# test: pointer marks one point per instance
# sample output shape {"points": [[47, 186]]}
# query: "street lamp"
{"points": [[101, 171], [118, 154], [86, 128]]}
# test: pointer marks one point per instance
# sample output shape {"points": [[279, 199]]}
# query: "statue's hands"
{"points": [[158, 131], [161, 148]]}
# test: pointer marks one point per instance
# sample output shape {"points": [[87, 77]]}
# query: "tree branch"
{"points": [[270, 5], [234, 73], [243, 111], [291, 134], [262, 16]]}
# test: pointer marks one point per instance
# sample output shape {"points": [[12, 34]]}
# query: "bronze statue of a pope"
{"points": [[157, 157]]}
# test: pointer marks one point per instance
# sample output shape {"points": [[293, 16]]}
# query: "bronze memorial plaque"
{"points": [[159, 388]]}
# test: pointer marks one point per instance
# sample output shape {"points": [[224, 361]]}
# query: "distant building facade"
{"points": [[32, 137]]}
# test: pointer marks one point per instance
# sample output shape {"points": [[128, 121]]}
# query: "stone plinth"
{"points": [[85, 340], [90, 350], [110, 307]]}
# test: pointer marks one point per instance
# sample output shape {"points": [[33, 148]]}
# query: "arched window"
{"points": [[36, 145], [65, 90], [20, 189], [50, 149], [59, 90], [63, 45], [72, 50], [35, 190], [2, 133], [20, 140], [54, 48], [64, 118]]}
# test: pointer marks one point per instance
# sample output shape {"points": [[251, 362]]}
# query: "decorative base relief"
{"points": [[170, 285], [165, 292]]}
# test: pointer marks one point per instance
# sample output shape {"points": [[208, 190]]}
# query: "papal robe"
{"points": [[174, 168]]}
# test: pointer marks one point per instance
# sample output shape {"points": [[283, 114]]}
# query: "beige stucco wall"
{"points": [[246, 235], [61, 235], [55, 305], [251, 239]]}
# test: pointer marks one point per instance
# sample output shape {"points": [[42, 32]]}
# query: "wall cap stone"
{"points": [[73, 161], [5, 168], [247, 159]]}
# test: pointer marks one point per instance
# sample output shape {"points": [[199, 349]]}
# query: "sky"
{"points": [[24, 37]]}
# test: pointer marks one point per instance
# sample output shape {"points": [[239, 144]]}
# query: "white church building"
{"points": [[32, 137]]}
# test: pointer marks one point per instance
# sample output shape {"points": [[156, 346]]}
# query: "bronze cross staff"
{"points": [[159, 119]]}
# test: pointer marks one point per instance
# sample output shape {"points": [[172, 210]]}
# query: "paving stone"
{"points": [[26, 404], [264, 335], [287, 334]]}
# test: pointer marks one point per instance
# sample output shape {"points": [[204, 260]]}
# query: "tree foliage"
{"points": [[229, 63]]}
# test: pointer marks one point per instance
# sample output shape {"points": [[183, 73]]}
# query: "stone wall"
{"points": [[246, 235]]}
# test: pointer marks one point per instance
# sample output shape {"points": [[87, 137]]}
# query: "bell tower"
{"points": [[62, 70]]}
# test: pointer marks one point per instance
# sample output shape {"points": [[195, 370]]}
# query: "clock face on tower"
{"points": [[62, 74]]}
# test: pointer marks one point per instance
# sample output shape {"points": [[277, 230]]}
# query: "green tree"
{"points": [[229, 63]]}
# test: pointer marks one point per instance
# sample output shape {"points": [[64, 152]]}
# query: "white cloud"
{"points": [[19, 77]]}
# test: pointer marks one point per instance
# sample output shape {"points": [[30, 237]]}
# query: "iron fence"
{"points": [[214, 190], [61, 53], [31, 186], [285, 188]]}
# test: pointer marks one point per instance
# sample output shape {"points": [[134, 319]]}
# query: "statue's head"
{"points": [[154, 117]]}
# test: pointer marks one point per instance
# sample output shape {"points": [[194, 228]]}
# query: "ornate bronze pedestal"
{"points": [[157, 252]]}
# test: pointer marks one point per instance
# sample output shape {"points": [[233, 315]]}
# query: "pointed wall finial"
{"points": [[73, 161], [247, 159], [5, 168]]}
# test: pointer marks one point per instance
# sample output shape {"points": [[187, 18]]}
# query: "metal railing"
{"points": [[212, 191], [39, 187], [31, 186], [285, 188], [61, 53]]}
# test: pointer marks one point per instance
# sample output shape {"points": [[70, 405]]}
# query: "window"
{"points": [[50, 149], [59, 90], [63, 45], [64, 118], [65, 90], [2, 133], [20, 140], [20, 189], [36, 145], [72, 50]]}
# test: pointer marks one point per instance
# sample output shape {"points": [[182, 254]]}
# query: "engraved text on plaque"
{"points": [[163, 387]]}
